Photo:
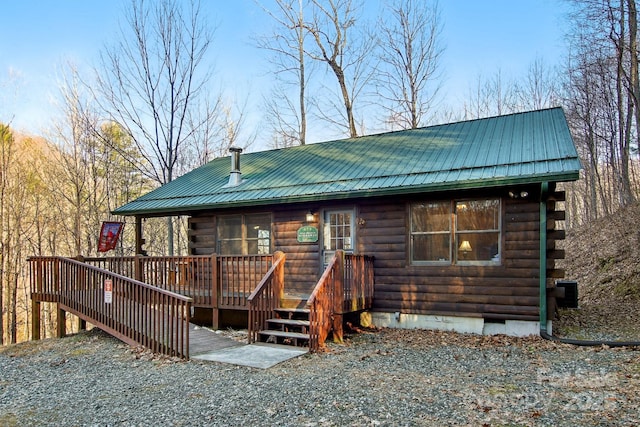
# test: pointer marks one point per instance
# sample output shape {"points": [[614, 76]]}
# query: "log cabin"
{"points": [[461, 220]]}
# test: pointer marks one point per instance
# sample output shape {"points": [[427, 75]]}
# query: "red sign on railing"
{"points": [[108, 291], [109, 234]]}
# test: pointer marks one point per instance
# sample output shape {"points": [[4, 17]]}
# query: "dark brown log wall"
{"points": [[202, 235], [507, 291], [302, 268]]}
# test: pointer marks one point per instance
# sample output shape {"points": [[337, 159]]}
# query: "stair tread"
{"points": [[293, 322], [285, 334], [293, 310]]}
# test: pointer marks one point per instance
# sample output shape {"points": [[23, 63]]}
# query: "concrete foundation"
{"points": [[467, 325]]}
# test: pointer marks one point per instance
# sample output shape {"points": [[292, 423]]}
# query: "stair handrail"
{"points": [[266, 297], [135, 312], [323, 301]]}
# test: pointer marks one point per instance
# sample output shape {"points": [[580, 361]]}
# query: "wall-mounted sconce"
{"points": [[310, 217], [520, 195]]}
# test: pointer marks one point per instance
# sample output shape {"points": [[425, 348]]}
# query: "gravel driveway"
{"points": [[387, 377]]}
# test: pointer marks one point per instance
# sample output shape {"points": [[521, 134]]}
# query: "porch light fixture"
{"points": [[520, 195], [465, 246], [310, 217]]}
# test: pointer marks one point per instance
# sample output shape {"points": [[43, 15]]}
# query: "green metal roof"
{"points": [[505, 150]]}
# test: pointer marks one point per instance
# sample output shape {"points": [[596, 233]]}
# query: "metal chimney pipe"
{"points": [[235, 177]]}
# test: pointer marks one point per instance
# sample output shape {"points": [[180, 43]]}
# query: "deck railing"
{"points": [[238, 276], [191, 276], [218, 281], [135, 312], [345, 286], [358, 283], [265, 298]]}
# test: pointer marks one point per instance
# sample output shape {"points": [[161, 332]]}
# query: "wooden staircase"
{"points": [[290, 325], [346, 286]]}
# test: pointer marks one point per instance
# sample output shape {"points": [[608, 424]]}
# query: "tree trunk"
{"points": [[302, 78]]}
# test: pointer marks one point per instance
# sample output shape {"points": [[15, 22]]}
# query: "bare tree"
{"points": [[347, 54], [410, 61], [281, 115], [75, 181], [538, 89], [286, 116], [6, 160], [601, 98], [491, 97], [153, 82], [19, 187]]}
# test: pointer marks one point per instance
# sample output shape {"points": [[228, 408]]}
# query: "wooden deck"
{"points": [[158, 315]]}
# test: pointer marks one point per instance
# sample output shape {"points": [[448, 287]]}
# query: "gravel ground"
{"points": [[387, 377]]}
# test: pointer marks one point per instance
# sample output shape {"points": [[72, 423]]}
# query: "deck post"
{"points": [[215, 317], [140, 241], [61, 322], [278, 284], [137, 266], [35, 320], [338, 298]]}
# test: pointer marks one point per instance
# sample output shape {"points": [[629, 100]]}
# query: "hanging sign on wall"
{"points": [[307, 234]]}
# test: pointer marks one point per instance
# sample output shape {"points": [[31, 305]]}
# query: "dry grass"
{"points": [[604, 257]]}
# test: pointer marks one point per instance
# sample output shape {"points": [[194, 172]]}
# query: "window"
{"points": [[338, 233], [337, 230], [244, 234], [461, 232]]}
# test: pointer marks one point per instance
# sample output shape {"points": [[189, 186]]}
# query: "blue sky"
{"points": [[37, 36]]}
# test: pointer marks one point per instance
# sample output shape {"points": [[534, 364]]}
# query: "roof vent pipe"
{"points": [[235, 178]]}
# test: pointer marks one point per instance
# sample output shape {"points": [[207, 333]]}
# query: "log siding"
{"points": [[509, 290]]}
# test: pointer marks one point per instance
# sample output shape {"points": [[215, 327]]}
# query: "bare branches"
{"points": [[153, 80], [288, 123], [410, 53], [601, 97], [331, 28]]}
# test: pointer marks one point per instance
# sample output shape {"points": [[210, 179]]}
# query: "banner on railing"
{"points": [[109, 234]]}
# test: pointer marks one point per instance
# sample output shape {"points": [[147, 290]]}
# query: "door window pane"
{"points": [[338, 231]]}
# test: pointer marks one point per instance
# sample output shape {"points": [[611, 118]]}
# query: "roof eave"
{"points": [[428, 188]]}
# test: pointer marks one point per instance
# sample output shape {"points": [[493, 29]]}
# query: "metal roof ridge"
{"points": [[376, 177]]}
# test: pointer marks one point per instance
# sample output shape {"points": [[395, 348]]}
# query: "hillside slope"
{"points": [[604, 258]]}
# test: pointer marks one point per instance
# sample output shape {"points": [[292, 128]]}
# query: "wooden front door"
{"points": [[338, 232]]}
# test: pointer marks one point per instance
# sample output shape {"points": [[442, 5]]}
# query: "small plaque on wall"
{"points": [[307, 234]]}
